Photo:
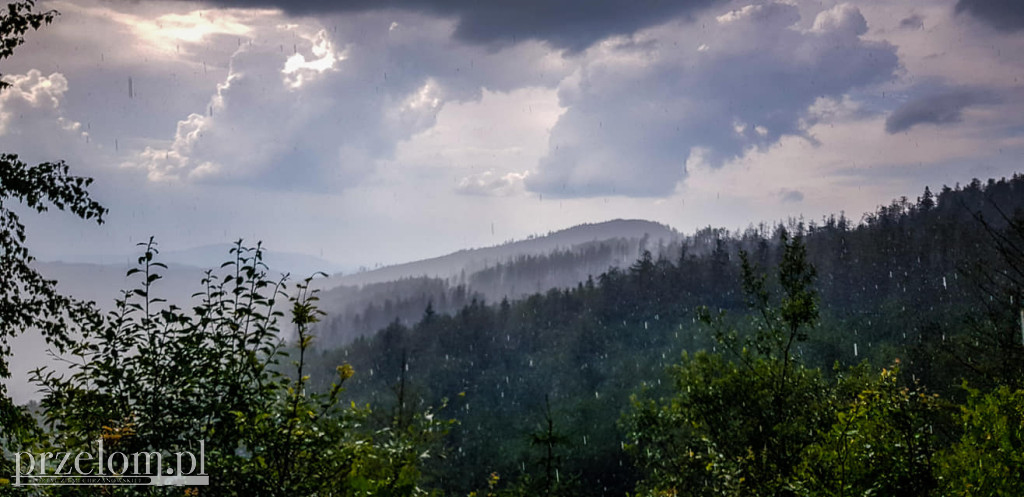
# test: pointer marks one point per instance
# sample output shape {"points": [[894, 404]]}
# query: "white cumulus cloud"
{"points": [[492, 185]]}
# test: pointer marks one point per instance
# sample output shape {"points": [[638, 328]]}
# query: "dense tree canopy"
{"points": [[903, 285]]}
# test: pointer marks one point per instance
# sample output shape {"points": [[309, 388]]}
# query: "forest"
{"points": [[830, 358], [879, 356]]}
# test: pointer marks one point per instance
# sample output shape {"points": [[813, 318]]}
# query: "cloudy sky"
{"points": [[382, 131]]}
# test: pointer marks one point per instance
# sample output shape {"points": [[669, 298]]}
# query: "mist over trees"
{"points": [[355, 311]]}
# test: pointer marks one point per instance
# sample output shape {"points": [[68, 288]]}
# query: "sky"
{"points": [[376, 132]]}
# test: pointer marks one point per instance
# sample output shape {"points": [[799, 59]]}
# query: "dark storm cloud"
{"points": [[569, 24], [943, 108], [1004, 15]]}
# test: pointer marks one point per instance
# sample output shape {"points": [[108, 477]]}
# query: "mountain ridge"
{"points": [[474, 259]]}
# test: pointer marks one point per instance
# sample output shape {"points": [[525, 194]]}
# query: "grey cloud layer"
{"points": [[1004, 15], [569, 24], [637, 107], [942, 108], [639, 110]]}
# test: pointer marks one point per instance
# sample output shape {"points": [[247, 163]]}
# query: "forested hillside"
{"points": [[366, 302], [931, 284]]}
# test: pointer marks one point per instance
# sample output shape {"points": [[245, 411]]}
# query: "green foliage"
{"points": [[860, 436], [728, 430], [549, 442], [150, 376], [28, 301], [762, 423], [15, 21], [738, 427], [881, 440], [779, 325], [992, 345], [544, 472], [988, 459]]}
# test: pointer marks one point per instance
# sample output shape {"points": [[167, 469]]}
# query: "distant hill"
{"points": [[454, 265], [362, 303], [212, 256]]}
